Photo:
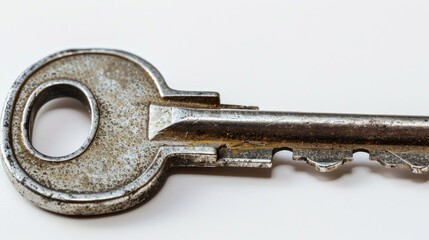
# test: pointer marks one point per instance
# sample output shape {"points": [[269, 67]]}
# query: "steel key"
{"points": [[140, 128]]}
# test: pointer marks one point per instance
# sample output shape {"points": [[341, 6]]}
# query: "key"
{"points": [[141, 128]]}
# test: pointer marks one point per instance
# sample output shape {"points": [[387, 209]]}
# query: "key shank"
{"points": [[187, 124], [250, 138]]}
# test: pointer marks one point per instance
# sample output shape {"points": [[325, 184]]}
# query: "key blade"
{"points": [[324, 141]]}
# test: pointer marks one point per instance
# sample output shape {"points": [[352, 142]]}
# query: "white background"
{"points": [[369, 56]]}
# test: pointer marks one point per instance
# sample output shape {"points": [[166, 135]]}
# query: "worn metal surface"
{"points": [[140, 128]]}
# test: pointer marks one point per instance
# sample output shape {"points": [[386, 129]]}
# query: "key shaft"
{"points": [[188, 124], [250, 138]]}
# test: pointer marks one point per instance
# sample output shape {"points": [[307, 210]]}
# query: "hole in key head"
{"points": [[56, 119], [61, 127]]}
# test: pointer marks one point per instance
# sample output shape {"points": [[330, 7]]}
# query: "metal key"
{"points": [[140, 128]]}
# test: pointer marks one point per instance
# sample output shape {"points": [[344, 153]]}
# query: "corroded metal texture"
{"points": [[140, 128]]}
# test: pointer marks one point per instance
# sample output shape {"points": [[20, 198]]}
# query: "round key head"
{"points": [[117, 166]]}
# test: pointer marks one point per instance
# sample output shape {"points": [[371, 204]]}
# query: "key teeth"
{"points": [[323, 160], [419, 169], [326, 160], [413, 161], [323, 167]]}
